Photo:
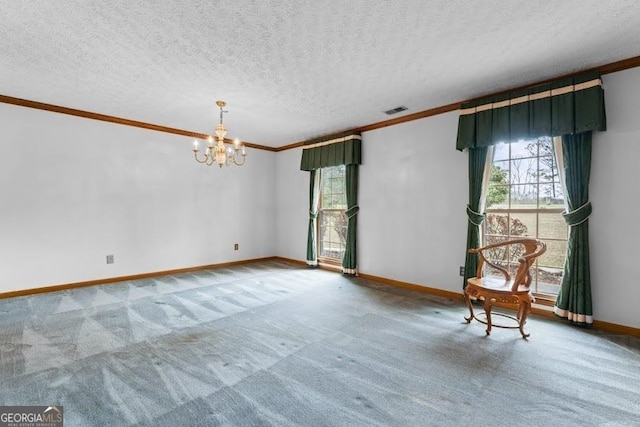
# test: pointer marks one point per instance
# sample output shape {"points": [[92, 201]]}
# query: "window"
{"points": [[525, 198], [332, 221]]}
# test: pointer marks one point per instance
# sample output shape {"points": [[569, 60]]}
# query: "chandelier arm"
{"points": [[195, 155], [235, 161]]}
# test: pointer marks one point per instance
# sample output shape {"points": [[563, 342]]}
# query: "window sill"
{"points": [[545, 300], [329, 264]]}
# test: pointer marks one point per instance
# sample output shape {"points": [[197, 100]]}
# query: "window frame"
{"points": [[321, 209], [510, 212]]}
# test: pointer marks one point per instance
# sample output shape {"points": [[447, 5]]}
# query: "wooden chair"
{"points": [[492, 290]]}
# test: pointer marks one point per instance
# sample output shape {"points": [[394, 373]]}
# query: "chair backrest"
{"points": [[533, 248]]}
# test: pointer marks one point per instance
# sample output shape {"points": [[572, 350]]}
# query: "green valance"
{"points": [[345, 149], [566, 106]]}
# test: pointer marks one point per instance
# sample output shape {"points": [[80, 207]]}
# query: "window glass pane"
{"points": [[323, 233], [332, 223], [523, 150], [547, 280], [499, 256], [500, 152], [500, 227], [335, 185], [507, 260], [498, 197], [333, 188], [503, 165], [496, 228], [523, 170], [555, 254], [325, 188], [548, 170], [523, 224], [545, 146], [551, 195], [524, 196], [338, 195], [552, 226], [333, 232], [498, 190]]}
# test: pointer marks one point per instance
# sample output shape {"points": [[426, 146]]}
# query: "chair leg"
{"points": [[470, 307], [487, 310], [523, 311], [520, 310]]}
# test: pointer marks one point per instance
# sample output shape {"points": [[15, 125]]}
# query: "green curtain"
{"points": [[314, 199], [477, 162], [566, 106], [335, 150], [572, 108], [349, 261], [574, 299]]}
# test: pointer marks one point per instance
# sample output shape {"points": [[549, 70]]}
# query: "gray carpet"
{"points": [[270, 344]]}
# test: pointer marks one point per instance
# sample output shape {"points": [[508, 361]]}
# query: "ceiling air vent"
{"points": [[396, 110]]}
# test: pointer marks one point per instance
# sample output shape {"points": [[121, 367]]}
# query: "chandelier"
{"points": [[218, 152]]}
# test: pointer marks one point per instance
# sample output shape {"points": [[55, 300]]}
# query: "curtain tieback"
{"points": [[352, 211], [577, 216], [475, 218], [313, 215]]}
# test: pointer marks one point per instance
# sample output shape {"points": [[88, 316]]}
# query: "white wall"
{"points": [[412, 198], [292, 201], [412, 221], [613, 225], [74, 190]]}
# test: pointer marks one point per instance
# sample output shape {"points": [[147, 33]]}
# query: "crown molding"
{"points": [[111, 119], [612, 67], [378, 125]]}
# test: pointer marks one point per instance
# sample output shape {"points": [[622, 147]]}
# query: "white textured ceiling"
{"points": [[293, 70]]}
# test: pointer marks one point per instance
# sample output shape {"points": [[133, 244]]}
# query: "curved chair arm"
{"points": [[533, 249], [483, 260]]}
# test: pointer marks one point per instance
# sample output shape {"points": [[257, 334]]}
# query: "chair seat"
{"points": [[496, 284]]}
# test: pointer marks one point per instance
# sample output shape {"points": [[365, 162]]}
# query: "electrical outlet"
{"points": [[235, 246], [462, 270], [110, 259]]}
